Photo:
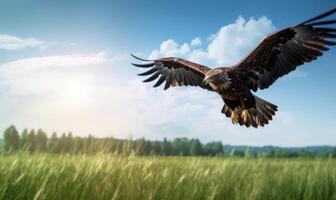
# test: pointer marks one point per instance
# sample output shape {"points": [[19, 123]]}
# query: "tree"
{"points": [[238, 153], [127, 146], [88, 143], [62, 143], [140, 146], [12, 139], [69, 144], [41, 141], [166, 147], [24, 139], [214, 148], [196, 148], [31, 141], [53, 144], [333, 153], [78, 145], [181, 146]]}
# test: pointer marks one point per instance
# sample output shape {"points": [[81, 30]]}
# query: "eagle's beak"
{"points": [[206, 80]]}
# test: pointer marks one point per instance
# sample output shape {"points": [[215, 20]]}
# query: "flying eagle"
{"points": [[276, 55]]}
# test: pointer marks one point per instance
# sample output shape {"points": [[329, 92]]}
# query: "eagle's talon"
{"points": [[245, 115], [234, 117]]}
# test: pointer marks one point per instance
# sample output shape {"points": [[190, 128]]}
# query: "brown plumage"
{"points": [[277, 54]]}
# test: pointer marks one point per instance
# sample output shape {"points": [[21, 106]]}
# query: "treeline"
{"points": [[280, 153], [38, 141]]}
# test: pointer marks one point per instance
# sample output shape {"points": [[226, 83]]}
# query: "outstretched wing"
{"points": [[281, 52], [174, 72]]}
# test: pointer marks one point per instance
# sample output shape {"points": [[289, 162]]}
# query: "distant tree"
{"points": [[31, 141], [12, 139], [69, 143], [62, 142], [333, 153], [238, 153], [270, 154], [196, 148], [127, 146], [166, 147], [24, 140], [156, 148], [214, 148], [181, 146], [148, 148], [41, 140], [53, 144], [140, 146], [78, 144], [117, 146], [304, 153], [89, 143]]}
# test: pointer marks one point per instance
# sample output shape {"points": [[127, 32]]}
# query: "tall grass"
{"points": [[102, 176]]}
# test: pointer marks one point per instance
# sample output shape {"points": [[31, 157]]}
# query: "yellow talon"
{"points": [[234, 117], [246, 115]]}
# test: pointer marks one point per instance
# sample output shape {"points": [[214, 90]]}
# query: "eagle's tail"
{"points": [[265, 111], [259, 115]]}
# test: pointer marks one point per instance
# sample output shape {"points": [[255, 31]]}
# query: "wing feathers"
{"points": [[323, 23], [320, 16], [168, 81], [140, 58], [330, 43], [174, 72], [283, 51], [149, 72], [324, 30], [143, 65], [160, 81], [153, 77]]}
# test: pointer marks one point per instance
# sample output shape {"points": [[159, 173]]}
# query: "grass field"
{"points": [[101, 176]]}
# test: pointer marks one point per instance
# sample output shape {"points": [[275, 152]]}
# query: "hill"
{"points": [[317, 150]]}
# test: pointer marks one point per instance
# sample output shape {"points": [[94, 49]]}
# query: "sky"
{"points": [[65, 66]]}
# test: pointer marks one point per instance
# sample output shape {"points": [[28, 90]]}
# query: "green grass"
{"points": [[101, 176]]}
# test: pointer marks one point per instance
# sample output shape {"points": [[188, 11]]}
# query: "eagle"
{"points": [[275, 56]]}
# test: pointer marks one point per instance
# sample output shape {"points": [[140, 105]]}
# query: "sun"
{"points": [[75, 92]]}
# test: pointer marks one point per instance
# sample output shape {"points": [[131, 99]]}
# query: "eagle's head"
{"points": [[217, 78]]}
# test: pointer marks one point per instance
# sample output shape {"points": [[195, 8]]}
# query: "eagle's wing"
{"points": [[281, 52], [174, 72]]}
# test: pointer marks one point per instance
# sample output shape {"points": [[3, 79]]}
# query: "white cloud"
{"points": [[200, 56], [38, 75], [196, 42], [225, 47], [170, 47], [10, 42], [234, 40]]}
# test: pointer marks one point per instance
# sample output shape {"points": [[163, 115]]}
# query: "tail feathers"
{"points": [[260, 115], [265, 110]]}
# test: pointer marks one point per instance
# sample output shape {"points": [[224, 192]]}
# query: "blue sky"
{"points": [[64, 65]]}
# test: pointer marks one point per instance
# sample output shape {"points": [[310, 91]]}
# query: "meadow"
{"points": [[107, 176]]}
